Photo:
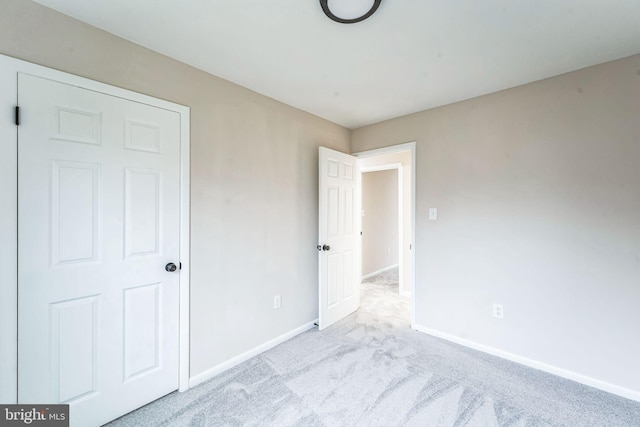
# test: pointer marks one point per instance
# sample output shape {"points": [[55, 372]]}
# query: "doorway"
{"points": [[388, 175], [382, 225]]}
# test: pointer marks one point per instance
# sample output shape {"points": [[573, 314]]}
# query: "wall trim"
{"points": [[184, 355], [8, 234], [235, 361], [382, 270], [541, 366]]}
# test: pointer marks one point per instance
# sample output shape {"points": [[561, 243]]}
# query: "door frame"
{"points": [[398, 168], [392, 149], [9, 69]]}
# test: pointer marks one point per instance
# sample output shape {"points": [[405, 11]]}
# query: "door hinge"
{"points": [[17, 116]]}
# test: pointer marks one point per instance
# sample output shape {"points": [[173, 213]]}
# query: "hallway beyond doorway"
{"points": [[381, 297]]}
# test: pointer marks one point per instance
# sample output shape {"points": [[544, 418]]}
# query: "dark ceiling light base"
{"points": [[325, 9]]}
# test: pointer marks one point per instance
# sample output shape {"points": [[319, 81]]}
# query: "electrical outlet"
{"points": [[498, 311], [277, 302]]}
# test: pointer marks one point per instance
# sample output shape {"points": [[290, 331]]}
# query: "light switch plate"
{"points": [[498, 311], [433, 214]]}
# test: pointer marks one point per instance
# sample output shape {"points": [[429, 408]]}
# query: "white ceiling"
{"points": [[410, 56]]}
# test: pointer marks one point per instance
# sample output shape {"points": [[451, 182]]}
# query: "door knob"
{"points": [[171, 267], [326, 247]]}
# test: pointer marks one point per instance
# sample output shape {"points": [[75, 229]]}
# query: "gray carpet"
{"points": [[371, 369]]}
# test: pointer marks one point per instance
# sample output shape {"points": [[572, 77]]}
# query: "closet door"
{"points": [[98, 231]]}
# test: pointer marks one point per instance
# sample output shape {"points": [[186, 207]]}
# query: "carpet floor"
{"points": [[371, 369]]}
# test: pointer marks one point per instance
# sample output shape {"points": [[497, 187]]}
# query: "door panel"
{"points": [[75, 212], [74, 327], [98, 208], [142, 212], [142, 314], [349, 279], [339, 225]]}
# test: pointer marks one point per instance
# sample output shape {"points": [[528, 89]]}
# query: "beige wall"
{"points": [[253, 180], [539, 207], [380, 237]]}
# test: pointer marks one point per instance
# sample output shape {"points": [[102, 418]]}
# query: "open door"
{"points": [[339, 231]]}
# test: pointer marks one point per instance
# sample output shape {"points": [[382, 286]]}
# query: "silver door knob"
{"points": [[171, 267]]}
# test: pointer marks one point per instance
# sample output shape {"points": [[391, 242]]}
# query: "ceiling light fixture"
{"points": [[349, 12]]}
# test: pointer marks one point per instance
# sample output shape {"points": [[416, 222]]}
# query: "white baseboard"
{"points": [[391, 267], [570, 375], [212, 372]]}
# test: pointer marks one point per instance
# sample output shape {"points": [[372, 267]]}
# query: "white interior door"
{"points": [[339, 223], [98, 214]]}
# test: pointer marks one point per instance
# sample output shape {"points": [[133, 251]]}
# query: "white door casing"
{"points": [[99, 217], [8, 233], [339, 235]]}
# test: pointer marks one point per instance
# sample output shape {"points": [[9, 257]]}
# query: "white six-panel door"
{"points": [[98, 207], [339, 231]]}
